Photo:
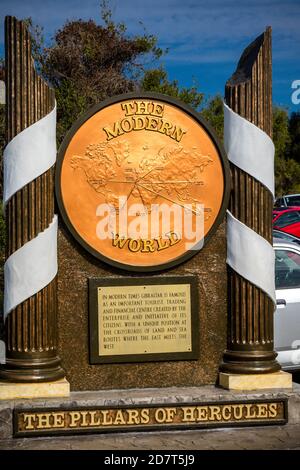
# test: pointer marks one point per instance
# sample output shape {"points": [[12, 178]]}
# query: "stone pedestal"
{"points": [[13, 391], [277, 380]]}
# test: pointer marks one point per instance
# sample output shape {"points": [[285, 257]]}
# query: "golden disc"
{"points": [[146, 172]]}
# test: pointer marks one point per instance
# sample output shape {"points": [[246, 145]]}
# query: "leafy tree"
{"points": [[213, 112], [156, 80], [286, 136], [281, 135], [88, 62], [287, 172], [281, 139], [294, 130]]}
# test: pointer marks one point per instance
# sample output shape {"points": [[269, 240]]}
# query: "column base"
{"points": [[31, 369], [12, 391], [249, 362], [255, 381]]}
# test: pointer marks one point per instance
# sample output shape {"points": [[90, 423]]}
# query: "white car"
{"points": [[287, 315], [288, 201]]}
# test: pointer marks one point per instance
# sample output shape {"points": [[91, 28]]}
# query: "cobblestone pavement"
{"points": [[255, 438]]}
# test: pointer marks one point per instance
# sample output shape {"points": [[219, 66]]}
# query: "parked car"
{"points": [[287, 314], [288, 200], [287, 220], [286, 236]]}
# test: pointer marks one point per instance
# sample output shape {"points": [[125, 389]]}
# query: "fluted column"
{"points": [[250, 348], [30, 328]]}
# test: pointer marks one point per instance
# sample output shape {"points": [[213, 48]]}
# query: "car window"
{"points": [[281, 235], [277, 235], [287, 269], [286, 236], [278, 202], [293, 200], [287, 218]]}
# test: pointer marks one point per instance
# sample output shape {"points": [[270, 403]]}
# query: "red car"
{"points": [[287, 220]]}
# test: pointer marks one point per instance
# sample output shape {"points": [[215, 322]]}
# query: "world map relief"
{"points": [[144, 176]]}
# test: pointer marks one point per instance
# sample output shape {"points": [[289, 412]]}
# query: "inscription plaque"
{"points": [[147, 417], [143, 319]]}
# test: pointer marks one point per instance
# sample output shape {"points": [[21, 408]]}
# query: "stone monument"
{"points": [[121, 289]]}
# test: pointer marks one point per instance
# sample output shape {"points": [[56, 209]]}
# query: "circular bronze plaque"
{"points": [[142, 181]]}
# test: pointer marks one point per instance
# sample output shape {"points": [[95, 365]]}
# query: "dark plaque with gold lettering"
{"points": [[143, 319], [62, 420], [142, 182]]}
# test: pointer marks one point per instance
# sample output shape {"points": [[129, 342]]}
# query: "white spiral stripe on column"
{"points": [[33, 266], [29, 154], [250, 255], [249, 148]]}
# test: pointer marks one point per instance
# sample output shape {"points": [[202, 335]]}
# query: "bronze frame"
{"points": [[95, 358], [187, 110]]}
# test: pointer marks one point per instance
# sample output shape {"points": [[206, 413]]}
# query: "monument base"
{"points": [[12, 391], [132, 410], [255, 381]]}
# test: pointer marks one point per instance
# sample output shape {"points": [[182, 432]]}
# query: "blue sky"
{"points": [[205, 37]]}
